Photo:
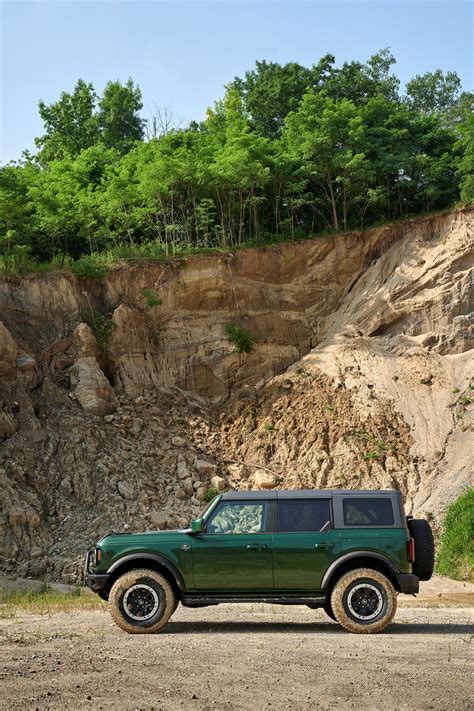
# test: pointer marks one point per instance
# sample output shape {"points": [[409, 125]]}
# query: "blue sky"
{"points": [[182, 53]]}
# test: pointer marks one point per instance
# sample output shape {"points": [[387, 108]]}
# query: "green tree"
{"points": [[434, 92], [16, 221], [118, 118], [271, 91], [71, 124], [360, 82], [65, 199], [328, 136], [465, 168], [238, 169]]}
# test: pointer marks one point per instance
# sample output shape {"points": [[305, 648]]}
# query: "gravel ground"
{"points": [[238, 657]]}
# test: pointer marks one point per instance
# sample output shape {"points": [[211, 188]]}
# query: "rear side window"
{"points": [[368, 512], [296, 515]]}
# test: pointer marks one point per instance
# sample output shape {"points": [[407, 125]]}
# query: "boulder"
{"points": [[125, 490], [235, 471], [188, 486], [201, 493], [205, 469], [217, 482], [263, 479], [182, 469], [8, 353], [157, 520], [92, 390]]}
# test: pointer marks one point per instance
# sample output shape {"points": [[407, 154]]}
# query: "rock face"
{"points": [[361, 376]]}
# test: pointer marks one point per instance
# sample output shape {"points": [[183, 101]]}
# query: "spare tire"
{"points": [[421, 531]]}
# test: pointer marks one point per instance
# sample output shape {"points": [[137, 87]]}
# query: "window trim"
{"points": [[242, 502], [302, 499]]}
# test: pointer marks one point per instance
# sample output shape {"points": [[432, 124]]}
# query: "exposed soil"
{"points": [[361, 376], [243, 657]]}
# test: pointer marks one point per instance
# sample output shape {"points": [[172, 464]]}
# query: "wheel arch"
{"points": [[360, 559], [148, 560]]}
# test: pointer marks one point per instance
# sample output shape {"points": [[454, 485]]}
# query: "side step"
{"points": [[197, 601]]}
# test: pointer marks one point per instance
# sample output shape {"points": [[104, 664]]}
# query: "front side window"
{"points": [[296, 515], [368, 512], [238, 517]]}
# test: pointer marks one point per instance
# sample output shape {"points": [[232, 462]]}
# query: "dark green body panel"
{"points": [[301, 559], [225, 562], [166, 544], [390, 542]]}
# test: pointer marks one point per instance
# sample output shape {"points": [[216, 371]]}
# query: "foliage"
{"points": [[288, 152], [88, 266], [81, 120], [119, 122], [103, 327], [210, 493], [466, 162], [151, 298], [456, 550], [434, 91], [241, 338]]}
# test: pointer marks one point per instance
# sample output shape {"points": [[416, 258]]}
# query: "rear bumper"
{"points": [[408, 583], [93, 580]]}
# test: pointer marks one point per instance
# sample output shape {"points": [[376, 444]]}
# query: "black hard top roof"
{"points": [[304, 493]]}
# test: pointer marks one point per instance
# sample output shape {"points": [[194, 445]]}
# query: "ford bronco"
{"points": [[349, 552]]}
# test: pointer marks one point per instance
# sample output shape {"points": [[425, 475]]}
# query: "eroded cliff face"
{"points": [[361, 375]]}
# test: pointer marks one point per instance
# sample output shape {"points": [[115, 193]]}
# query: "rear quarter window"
{"points": [[370, 511]]}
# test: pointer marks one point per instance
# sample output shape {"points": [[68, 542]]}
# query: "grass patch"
{"points": [[456, 550], [45, 601]]}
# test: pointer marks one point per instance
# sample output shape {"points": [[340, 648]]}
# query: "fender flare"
{"points": [[356, 554], [156, 559]]}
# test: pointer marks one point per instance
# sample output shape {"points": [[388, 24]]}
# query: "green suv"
{"points": [[349, 552]]}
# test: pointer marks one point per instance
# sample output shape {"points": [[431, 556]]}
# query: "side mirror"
{"points": [[197, 526]]}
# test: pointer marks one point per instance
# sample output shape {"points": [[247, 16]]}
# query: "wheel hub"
{"points": [[365, 601], [140, 602]]}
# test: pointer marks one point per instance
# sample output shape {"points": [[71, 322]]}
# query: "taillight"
{"points": [[411, 550], [97, 555]]}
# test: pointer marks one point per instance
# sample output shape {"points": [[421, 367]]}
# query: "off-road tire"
{"points": [[153, 581], [175, 607], [378, 582], [421, 531]]}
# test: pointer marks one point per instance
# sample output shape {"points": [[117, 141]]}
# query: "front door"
{"points": [[235, 552], [305, 544]]}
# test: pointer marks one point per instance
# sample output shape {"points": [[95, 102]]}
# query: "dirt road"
{"points": [[238, 657]]}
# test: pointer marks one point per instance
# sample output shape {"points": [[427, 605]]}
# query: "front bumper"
{"points": [[408, 583], [93, 580]]}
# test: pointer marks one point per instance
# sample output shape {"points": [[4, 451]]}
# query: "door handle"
{"points": [[324, 545], [256, 546]]}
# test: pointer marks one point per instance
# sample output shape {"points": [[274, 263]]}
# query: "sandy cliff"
{"points": [[362, 375]]}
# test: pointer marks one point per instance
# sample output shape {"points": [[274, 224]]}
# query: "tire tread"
{"points": [[127, 580]]}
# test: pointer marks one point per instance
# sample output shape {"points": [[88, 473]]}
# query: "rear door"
{"points": [[305, 543], [372, 521], [235, 552]]}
